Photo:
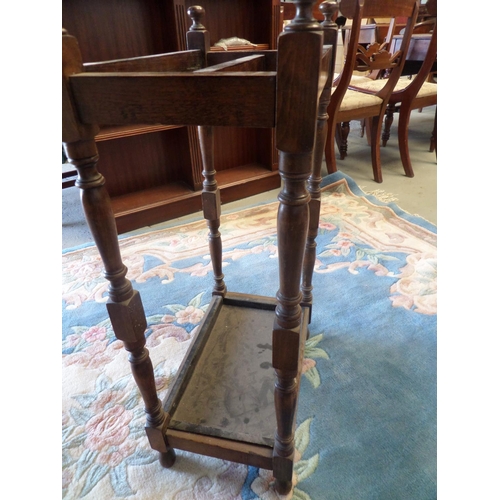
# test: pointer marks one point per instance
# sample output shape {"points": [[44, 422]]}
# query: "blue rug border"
{"points": [[326, 181], [414, 219]]}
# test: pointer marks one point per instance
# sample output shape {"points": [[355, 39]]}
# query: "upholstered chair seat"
{"points": [[427, 88], [355, 100]]}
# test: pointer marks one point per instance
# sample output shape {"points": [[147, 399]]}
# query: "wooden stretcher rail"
{"points": [[225, 449], [187, 60], [214, 58], [247, 63], [246, 99], [192, 356]]}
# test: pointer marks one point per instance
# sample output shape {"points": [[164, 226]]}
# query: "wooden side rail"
{"points": [[214, 58], [187, 60], [177, 98], [245, 453], [247, 63]]}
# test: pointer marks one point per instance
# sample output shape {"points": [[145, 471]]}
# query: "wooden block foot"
{"points": [[167, 459], [282, 487]]}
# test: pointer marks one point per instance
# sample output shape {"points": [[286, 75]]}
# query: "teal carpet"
{"points": [[366, 426]]}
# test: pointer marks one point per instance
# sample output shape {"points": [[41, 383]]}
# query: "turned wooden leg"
{"points": [[404, 150], [286, 390], [326, 130], [342, 132], [124, 303], [389, 118], [296, 125], [314, 213], [212, 207], [293, 221], [329, 10], [375, 131]]}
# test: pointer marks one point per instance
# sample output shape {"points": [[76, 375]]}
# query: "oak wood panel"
{"points": [[176, 98]]}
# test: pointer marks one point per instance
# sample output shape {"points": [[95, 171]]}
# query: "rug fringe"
{"points": [[382, 195]]}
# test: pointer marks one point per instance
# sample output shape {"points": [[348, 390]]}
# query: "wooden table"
{"points": [[417, 51]]}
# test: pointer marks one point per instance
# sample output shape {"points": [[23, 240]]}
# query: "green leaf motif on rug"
{"points": [[302, 436], [194, 303], [304, 468], [309, 368], [300, 495]]}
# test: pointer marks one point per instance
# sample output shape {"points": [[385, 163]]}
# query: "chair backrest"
{"points": [[422, 49], [425, 26], [375, 57]]}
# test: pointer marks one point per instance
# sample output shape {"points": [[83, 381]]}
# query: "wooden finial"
{"points": [[196, 13], [328, 9], [304, 19]]}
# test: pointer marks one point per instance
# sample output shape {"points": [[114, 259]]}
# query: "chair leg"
{"points": [[368, 127], [389, 118], [363, 126], [404, 151], [331, 164], [375, 132], [341, 133], [433, 145]]}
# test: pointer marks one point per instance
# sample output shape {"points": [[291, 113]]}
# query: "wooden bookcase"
{"points": [[155, 173]]}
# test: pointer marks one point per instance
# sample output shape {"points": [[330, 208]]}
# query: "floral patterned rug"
{"points": [[366, 426]]}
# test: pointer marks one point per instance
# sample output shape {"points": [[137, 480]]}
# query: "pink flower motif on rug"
{"points": [[107, 435], [417, 286]]}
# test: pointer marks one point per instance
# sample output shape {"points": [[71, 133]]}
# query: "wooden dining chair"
{"points": [[287, 90], [351, 103], [412, 93], [368, 35]]}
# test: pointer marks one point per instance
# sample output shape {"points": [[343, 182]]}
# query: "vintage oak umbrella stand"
{"points": [[212, 407]]}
